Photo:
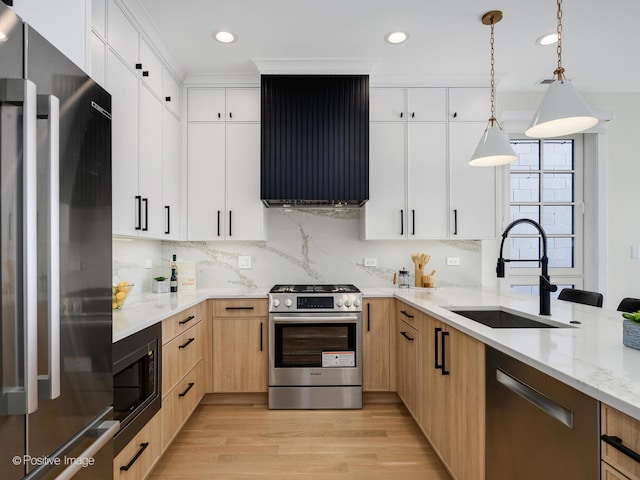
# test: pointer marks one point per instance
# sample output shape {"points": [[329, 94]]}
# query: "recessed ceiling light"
{"points": [[548, 39], [3, 36], [225, 37], [396, 37]]}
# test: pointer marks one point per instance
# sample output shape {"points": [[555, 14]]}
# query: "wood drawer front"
{"points": [[617, 424], [180, 355], [241, 308], [607, 472], [178, 323], [138, 468], [408, 314], [180, 402]]}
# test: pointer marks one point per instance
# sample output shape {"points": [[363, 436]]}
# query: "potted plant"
{"points": [[631, 330], [160, 285]]}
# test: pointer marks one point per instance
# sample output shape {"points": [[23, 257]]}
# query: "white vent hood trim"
{"points": [[318, 66]]}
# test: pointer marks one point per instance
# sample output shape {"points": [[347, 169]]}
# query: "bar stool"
{"points": [[581, 296]]}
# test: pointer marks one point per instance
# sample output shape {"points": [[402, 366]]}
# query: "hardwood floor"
{"points": [[235, 442]]}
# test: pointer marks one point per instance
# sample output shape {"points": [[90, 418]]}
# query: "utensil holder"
{"points": [[418, 277]]}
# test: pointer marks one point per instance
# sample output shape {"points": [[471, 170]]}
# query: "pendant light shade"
{"points": [[494, 149], [561, 112]]}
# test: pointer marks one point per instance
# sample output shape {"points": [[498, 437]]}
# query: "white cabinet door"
{"points": [[469, 104], [151, 68], [99, 17], [150, 164], [98, 60], [387, 105], [426, 104], [245, 211], [171, 92], [385, 215], [243, 104], [171, 175], [123, 85], [206, 105], [206, 181], [472, 189], [427, 181], [122, 36]]}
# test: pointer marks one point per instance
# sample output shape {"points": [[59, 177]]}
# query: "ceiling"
{"points": [[447, 45]]}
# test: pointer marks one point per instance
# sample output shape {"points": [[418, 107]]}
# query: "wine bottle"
{"points": [[173, 283]]}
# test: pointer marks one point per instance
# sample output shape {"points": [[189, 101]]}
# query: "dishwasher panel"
{"points": [[537, 426]]}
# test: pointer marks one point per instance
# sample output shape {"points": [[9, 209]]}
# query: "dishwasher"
{"points": [[536, 426]]}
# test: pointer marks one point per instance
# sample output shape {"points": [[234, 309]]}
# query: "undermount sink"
{"points": [[500, 317]]}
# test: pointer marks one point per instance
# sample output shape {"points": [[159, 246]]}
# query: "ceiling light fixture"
{"points": [[562, 110], [395, 37], [494, 148], [547, 39], [225, 37]]}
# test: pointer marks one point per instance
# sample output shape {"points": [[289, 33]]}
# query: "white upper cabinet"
{"points": [[99, 17], [122, 35], [171, 92], [387, 105], [206, 105], [469, 104], [98, 60], [243, 104], [171, 175], [150, 68], [426, 104]]}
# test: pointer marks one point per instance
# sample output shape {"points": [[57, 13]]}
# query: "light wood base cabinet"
{"points": [[375, 345], [137, 459], [615, 463], [408, 366]]}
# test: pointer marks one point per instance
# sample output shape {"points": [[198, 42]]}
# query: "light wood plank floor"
{"points": [[235, 442]]}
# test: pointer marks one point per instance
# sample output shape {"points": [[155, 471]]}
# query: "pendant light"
{"points": [[562, 110], [494, 147]]}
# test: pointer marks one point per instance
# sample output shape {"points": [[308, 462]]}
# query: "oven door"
{"points": [[315, 349]]}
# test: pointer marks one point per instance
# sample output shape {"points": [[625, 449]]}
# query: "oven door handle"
{"points": [[316, 319]]}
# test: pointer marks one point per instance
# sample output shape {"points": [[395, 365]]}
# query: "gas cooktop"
{"points": [[330, 288]]}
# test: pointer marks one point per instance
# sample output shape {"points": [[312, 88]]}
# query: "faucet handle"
{"points": [[500, 268], [548, 286]]}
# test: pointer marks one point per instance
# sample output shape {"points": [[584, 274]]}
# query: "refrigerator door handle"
{"points": [[22, 398], [49, 384], [105, 432]]}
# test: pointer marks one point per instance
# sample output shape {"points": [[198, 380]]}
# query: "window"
{"points": [[545, 185]]}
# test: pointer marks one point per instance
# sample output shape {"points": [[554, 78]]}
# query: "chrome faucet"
{"points": [[545, 285]]}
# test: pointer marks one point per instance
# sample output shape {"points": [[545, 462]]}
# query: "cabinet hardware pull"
{"points": [[138, 66], [167, 99], [186, 320], [444, 368], [408, 315], [413, 114], [229, 222], [401, 114], [436, 357], [455, 114], [230, 115], [455, 221], [146, 214], [261, 336], [404, 334], [145, 73], [191, 384], [168, 209], [413, 222], [139, 219], [186, 344], [616, 442], [218, 114], [218, 222], [238, 308], [368, 317], [401, 222], [143, 447]]}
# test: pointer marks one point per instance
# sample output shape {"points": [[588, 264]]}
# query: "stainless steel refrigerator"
{"points": [[55, 246]]}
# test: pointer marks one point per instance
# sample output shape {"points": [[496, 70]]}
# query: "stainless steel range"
{"points": [[315, 340]]}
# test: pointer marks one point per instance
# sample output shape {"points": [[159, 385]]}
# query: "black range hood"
{"points": [[314, 140]]}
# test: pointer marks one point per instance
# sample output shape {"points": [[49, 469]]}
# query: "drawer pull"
{"points": [[191, 384], [616, 442], [186, 320], [143, 447], [408, 315], [186, 344], [404, 334], [238, 308]]}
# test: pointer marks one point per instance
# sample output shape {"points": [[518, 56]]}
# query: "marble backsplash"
{"points": [[303, 246]]}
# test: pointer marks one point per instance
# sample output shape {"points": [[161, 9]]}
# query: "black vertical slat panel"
{"points": [[315, 138]]}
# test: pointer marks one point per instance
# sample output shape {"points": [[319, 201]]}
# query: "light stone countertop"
{"points": [[589, 357]]}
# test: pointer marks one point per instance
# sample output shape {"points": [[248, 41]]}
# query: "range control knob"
{"points": [[347, 303], [288, 302], [357, 302], [276, 302], [338, 302]]}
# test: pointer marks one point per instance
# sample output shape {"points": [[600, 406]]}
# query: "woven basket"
{"points": [[631, 334]]}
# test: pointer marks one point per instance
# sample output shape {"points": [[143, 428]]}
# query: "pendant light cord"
{"points": [[492, 120], [559, 72]]}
